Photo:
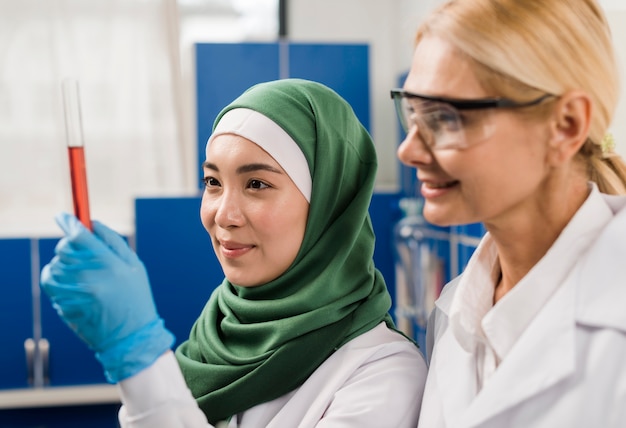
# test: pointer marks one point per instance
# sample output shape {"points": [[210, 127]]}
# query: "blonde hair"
{"points": [[550, 46]]}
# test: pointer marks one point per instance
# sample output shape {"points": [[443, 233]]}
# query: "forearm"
{"points": [[158, 397]]}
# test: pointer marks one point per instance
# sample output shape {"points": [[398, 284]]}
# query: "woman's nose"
{"points": [[229, 212], [413, 151]]}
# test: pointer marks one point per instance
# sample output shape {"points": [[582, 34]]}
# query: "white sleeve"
{"points": [[382, 393], [158, 397]]}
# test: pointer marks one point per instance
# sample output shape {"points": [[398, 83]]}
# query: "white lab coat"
{"points": [[376, 380], [568, 369]]}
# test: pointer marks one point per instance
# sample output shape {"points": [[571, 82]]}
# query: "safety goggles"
{"points": [[448, 123]]}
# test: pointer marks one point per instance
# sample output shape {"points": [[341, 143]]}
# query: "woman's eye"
{"points": [[257, 184], [210, 182], [447, 120], [469, 118], [446, 117]]}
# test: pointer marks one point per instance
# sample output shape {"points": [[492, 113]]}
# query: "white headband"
{"points": [[266, 134]]}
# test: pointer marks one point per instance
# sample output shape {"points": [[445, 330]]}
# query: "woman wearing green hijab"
{"points": [[298, 333]]}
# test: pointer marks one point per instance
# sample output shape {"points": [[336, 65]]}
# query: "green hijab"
{"points": [[252, 345]]}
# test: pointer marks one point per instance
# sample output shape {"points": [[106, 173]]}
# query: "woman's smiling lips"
{"points": [[433, 188], [231, 249]]}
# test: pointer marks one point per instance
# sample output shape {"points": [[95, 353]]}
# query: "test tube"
{"points": [[76, 150]]}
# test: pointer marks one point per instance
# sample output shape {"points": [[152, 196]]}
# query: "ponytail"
{"points": [[605, 167]]}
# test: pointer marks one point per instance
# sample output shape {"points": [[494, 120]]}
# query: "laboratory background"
{"points": [[151, 76]]}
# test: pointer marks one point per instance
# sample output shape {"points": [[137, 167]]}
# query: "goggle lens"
{"points": [[439, 124]]}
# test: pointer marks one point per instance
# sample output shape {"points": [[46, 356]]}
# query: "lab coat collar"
{"points": [[601, 288], [548, 342], [444, 302]]}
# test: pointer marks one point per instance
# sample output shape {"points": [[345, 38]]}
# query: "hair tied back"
{"points": [[608, 145]]}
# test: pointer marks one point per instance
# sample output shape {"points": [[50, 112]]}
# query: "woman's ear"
{"points": [[569, 127]]}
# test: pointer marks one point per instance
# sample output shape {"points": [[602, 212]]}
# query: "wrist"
{"points": [[135, 352]]}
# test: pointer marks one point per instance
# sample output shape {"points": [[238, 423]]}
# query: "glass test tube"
{"points": [[76, 150]]}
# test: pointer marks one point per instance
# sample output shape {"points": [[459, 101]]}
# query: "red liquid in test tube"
{"points": [[76, 150]]}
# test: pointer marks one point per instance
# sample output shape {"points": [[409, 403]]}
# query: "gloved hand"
{"points": [[100, 288]]}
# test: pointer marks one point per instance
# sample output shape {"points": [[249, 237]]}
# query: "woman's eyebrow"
{"points": [[209, 165], [251, 167], [245, 168]]}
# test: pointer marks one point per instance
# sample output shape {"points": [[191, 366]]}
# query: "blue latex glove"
{"points": [[100, 288]]}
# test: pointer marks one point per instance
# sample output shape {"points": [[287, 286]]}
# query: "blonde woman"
{"points": [[507, 107]]}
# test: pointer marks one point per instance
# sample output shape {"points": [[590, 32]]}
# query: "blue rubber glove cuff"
{"points": [[136, 352]]}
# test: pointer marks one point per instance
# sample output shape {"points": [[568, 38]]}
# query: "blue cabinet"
{"points": [[225, 70], [16, 316], [31, 317], [33, 390], [27, 315], [179, 258], [92, 416], [342, 67]]}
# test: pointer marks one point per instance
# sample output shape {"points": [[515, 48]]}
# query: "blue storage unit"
{"points": [[69, 361], [16, 314], [97, 416], [384, 212], [342, 67], [225, 70], [179, 258], [66, 351]]}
